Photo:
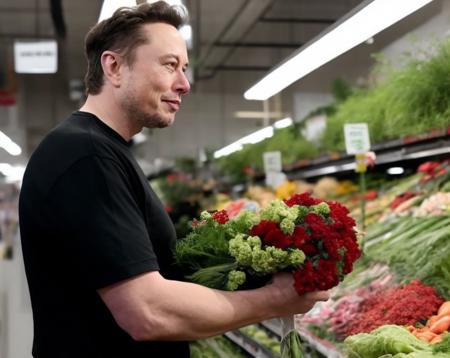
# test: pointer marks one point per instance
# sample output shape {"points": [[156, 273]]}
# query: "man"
{"points": [[97, 243]]}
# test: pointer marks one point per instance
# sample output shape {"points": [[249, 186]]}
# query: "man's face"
{"points": [[153, 85]]}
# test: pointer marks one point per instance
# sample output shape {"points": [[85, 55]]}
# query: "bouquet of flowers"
{"points": [[312, 238]]}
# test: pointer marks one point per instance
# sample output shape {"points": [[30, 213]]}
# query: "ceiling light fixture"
{"points": [[283, 123], [366, 20], [253, 138], [12, 173], [7, 144], [257, 114]]}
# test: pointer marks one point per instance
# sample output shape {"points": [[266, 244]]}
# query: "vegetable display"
{"points": [[404, 305], [389, 341]]}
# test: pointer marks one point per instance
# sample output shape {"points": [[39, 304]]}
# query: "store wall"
{"points": [[426, 28]]}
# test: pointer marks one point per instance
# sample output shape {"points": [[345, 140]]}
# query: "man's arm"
{"points": [[149, 307]]}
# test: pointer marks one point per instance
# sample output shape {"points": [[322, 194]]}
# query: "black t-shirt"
{"points": [[88, 219]]}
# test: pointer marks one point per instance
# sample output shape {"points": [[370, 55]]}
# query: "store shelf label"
{"points": [[356, 138], [272, 162]]}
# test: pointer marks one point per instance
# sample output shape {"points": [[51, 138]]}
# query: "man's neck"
{"points": [[111, 115]]}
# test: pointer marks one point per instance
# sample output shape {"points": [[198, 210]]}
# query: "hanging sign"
{"points": [[36, 56]]}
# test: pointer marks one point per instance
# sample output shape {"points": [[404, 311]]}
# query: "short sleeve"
{"points": [[102, 228]]}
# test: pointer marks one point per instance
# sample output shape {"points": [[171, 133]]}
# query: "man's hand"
{"points": [[286, 299]]}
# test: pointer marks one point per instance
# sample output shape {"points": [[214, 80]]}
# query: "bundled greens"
{"points": [[416, 248]]}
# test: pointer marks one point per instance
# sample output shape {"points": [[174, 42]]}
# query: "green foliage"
{"points": [[411, 100], [444, 345], [186, 164], [175, 189], [288, 141], [205, 246], [215, 347]]}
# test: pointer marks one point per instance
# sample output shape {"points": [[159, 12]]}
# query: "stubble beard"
{"points": [[134, 112]]}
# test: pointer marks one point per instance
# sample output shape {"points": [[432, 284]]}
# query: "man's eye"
{"points": [[171, 65]]}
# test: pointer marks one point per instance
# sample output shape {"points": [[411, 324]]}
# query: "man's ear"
{"points": [[111, 64]]}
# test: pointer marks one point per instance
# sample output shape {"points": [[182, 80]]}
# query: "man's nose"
{"points": [[183, 86]]}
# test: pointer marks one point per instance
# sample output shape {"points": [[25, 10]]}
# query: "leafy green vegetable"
{"points": [[444, 345], [388, 339], [205, 246]]}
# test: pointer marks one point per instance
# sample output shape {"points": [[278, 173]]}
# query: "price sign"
{"points": [[272, 162], [356, 138]]}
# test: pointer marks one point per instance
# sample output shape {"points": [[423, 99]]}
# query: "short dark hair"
{"points": [[123, 33]]}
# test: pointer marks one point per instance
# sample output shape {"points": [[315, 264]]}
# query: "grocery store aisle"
{"points": [[16, 323]]}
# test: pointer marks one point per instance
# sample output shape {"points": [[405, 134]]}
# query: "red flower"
{"points": [[327, 274], [271, 234], [171, 178], [304, 279], [310, 278], [277, 238], [304, 199], [299, 237], [263, 228], [221, 217], [318, 228], [332, 248]]}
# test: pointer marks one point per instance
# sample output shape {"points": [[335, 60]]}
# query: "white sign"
{"points": [[272, 162], [36, 56], [275, 179], [273, 169], [356, 138]]}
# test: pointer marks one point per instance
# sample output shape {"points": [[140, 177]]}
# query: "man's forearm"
{"points": [[150, 307]]}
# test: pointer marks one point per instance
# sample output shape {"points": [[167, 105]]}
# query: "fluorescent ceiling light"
{"points": [[231, 148], [7, 144], [257, 114], [283, 123], [395, 171], [258, 136], [371, 17], [12, 173], [253, 138], [109, 6]]}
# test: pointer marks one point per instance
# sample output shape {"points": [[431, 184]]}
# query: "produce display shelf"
{"points": [[273, 327], [249, 345], [322, 346], [437, 147]]}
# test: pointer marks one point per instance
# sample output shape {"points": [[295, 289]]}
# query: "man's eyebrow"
{"points": [[175, 57]]}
